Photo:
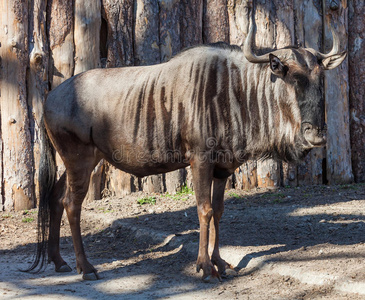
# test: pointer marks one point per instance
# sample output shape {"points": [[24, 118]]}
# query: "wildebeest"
{"points": [[144, 120]]}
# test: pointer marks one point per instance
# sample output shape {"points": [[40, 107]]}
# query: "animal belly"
{"points": [[141, 162]]}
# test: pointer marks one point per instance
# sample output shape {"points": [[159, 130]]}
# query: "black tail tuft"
{"points": [[46, 182]]}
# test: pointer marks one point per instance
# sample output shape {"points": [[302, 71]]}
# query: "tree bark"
{"points": [[60, 27], [61, 41], [169, 29], [87, 35], [268, 171], [308, 33], [339, 169], [215, 22], [147, 52], [17, 156], [169, 16], [191, 23], [87, 24], [356, 53], [147, 40], [37, 83], [118, 36]]}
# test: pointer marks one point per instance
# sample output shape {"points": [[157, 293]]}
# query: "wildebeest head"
{"points": [[302, 71]]}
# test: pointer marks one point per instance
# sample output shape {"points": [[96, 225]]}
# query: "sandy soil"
{"points": [[291, 243]]}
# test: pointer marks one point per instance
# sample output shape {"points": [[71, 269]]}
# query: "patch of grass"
{"points": [[8, 216], [185, 190], [183, 194], [234, 195], [348, 187], [274, 195], [27, 220], [280, 195], [27, 212], [147, 200], [105, 210]]}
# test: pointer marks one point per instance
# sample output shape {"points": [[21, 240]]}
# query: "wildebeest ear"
{"points": [[276, 66], [333, 61]]}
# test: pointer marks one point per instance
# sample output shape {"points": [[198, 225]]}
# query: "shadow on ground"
{"points": [[275, 222]]}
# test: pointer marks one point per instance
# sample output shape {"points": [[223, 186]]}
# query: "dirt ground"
{"points": [[290, 243]]}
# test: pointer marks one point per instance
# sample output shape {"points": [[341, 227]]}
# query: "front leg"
{"points": [[218, 208], [202, 173]]}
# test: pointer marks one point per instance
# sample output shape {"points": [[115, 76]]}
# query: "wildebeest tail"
{"points": [[46, 183]]}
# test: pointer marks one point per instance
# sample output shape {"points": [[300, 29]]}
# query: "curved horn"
{"points": [[335, 46], [247, 48]]}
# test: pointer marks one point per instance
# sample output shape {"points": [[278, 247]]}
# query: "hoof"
{"points": [[229, 272], [64, 269], [90, 276], [211, 279]]}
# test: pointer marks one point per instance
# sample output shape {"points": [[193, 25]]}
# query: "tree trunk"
{"points": [[356, 53], [17, 156], [87, 35], [117, 32], [37, 76], [191, 26], [308, 33], [117, 51], [215, 23], [61, 43], [339, 169], [169, 17], [147, 52], [87, 24], [61, 40]]}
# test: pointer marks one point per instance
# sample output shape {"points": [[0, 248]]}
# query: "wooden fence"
{"points": [[44, 42]]}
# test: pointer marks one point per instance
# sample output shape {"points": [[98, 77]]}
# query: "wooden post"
{"points": [[61, 40], [169, 16], [215, 24], [245, 177], [147, 52], [87, 24], [339, 169], [191, 26], [87, 35], [169, 30], [60, 29], [117, 44], [37, 83], [308, 33], [147, 40], [17, 156], [118, 34], [356, 55], [268, 171]]}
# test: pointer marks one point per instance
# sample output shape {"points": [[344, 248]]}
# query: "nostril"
{"points": [[307, 126]]}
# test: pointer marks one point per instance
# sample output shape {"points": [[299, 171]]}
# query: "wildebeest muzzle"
{"points": [[314, 135]]}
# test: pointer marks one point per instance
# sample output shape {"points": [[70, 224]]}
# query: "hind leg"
{"points": [[56, 212], [78, 177]]}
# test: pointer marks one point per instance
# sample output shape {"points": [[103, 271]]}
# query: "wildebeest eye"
{"points": [[301, 80]]}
